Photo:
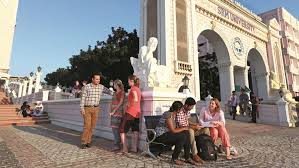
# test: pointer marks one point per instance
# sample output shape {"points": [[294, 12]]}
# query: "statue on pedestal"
{"points": [[274, 81], [146, 66], [58, 89]]}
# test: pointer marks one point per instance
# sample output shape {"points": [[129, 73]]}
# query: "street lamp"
{"points": [[39, 68], [31, 74], [185, 81], [185, 85]]}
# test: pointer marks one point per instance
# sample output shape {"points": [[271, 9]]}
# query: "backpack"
{"points": [[207, 150]]}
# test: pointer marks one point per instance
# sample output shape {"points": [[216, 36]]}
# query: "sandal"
{"points": [[177, 162], [229, 157], [190, 161]]}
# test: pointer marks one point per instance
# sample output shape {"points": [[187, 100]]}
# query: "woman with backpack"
{"points": [[213, 117], [169, 134]]}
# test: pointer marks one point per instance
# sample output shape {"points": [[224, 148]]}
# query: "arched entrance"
{"points": [[215, 69], [258, 76]]}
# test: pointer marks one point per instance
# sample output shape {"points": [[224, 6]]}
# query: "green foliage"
{"points": [[209, 76], [111, 58]]}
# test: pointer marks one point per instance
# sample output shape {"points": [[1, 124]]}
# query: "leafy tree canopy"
{"points": [[111, 58]]}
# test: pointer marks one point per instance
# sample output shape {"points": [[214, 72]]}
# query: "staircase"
{"points": [[10, 116]]}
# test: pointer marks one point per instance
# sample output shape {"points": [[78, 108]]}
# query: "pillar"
{"points": [[245, 77], [20, 89], [30, 85], [262, 81], [226, 76], [25, 83], [38, 75]]}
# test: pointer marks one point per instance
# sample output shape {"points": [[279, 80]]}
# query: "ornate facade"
{"points": [[237, 35]]}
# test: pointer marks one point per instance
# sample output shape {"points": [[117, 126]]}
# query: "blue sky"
{"points": [[49, 32]]}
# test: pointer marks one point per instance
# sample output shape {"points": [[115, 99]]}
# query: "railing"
{"points": [[183, 68]]}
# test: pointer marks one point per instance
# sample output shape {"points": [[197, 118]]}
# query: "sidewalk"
{"points": [[51, 146]]}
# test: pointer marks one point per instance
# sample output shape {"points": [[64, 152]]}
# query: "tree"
{"points": [[110, 57], [209, 76]]}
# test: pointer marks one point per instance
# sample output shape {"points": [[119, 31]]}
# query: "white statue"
{"points": [[146, 68], [58, 89]]}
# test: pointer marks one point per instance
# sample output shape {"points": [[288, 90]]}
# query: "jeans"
{"points": [[179, 140], [116, 135]]}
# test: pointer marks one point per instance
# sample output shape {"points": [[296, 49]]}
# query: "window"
{"points": [[181, 30]]}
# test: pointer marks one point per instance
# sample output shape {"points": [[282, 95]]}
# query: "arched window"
{"points": [[181, 30], [152, 20]]}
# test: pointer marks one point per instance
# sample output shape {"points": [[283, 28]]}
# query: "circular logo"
{"points": [[238, 46]]}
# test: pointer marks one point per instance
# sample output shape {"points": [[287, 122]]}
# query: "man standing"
{"points": [[255, 102], [233, 104], [90, 100], [183, 120], [244, 99]]}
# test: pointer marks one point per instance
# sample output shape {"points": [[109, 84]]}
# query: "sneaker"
{"points": [[88, 145], [115, 148], [83, 146], [233, 151]]}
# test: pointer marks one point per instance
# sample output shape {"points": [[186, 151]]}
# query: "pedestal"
{"points": [[283, 113]]}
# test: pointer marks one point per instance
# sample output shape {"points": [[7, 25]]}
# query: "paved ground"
{"points": [[51, 146]]}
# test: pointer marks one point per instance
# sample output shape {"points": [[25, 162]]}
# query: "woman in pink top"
{"points": [[131, 117], [213, 117]]}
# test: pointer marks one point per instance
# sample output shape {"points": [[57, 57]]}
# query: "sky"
{"points": [[49, 32]]}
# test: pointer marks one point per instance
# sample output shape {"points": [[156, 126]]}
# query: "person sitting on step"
{"points": [[213, 117], [169, 134]]}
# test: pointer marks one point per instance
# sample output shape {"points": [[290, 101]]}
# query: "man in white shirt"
{"points": [[234, 104]]}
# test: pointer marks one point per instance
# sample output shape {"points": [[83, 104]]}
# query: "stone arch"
{"points": [[259, 73], [181, 31], [219, 45], [225, 68]]}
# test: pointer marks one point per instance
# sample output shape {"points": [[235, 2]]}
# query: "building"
{"points": [[8, 14], [289, 44], [239, 38]]}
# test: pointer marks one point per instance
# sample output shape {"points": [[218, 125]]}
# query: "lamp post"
{"points": [[38, 75], [30, 83]]}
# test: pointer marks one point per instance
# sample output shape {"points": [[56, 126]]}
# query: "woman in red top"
{"points": [[131, 117]]}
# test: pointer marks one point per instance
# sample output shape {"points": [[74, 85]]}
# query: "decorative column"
{"points": [[38, 75], [30, 83], [227, 81], [245, 75], [25, 83], [20, 89], [262, 82]]}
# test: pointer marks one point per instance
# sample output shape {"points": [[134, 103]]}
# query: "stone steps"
{"points": [[10, 116], [24, 122]]}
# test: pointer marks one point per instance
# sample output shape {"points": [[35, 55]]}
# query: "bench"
{"points": [[150, 124]]}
